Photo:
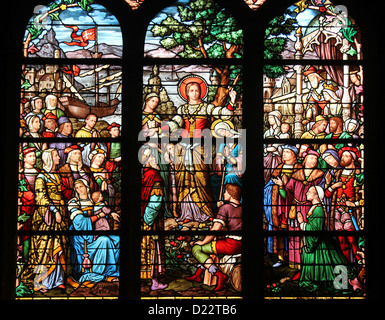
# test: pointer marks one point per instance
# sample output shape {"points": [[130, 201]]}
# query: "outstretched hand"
{"points": [[115, 216]]}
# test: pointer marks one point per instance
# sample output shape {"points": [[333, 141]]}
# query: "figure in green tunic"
{"points": [[319, 254]]}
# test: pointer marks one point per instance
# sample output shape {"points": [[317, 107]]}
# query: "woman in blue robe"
{"points": [[232, 160], [229, 158], [93, 258]]}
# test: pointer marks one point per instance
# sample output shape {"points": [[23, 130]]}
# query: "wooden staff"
{"points": [[223, 179]]}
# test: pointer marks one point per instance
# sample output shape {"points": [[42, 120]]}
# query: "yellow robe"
{"points": [[195, 182], [85, 133], [47, 251]]}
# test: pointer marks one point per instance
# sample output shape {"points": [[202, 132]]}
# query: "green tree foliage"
{"points": [[275, 40], [204, 30]]}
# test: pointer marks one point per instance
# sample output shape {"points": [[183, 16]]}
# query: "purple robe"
{"points": [[296, 189]]}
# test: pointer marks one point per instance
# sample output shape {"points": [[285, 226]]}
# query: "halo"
{"points": [[218, 121], [188, 79]]}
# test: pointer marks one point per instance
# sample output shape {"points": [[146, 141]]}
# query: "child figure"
{"points": [[285, 131], [101, 209]]}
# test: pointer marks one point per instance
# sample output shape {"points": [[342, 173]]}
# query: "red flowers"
{"points": [[272, 285]]}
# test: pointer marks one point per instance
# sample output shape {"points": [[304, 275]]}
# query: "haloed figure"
{"points": [[192, 173]]}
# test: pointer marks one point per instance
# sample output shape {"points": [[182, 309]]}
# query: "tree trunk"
{"points": [[233, 49], [224, 74], [223, 89]]}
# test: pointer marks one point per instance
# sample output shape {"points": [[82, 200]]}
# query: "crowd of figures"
{"points": [[316, 188], [66, 186], [70, 186], [190, 183]]}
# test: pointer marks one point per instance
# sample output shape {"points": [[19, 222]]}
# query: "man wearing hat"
{"points": [[274, 204], [75, 169], [113, 148], [64, 131], [315, 98], [345, 199], [50, 125], [29, 166], [27, 196], [294, 191]]}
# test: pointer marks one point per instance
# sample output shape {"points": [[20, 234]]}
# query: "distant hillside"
{"points": [[112, 52], [157, 51], [48, 44]]}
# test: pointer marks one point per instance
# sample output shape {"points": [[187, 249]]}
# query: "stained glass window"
{"points": [[70, 154], [198, 30], [72, 29], [314, 153], [184, 223], [192, 188]]}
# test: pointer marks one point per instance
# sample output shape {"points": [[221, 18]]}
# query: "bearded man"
{"points": [[344, 199]]}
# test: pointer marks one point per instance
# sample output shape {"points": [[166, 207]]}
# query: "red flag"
{"points": [[75, 70], [89, 34], [82, 40]]}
